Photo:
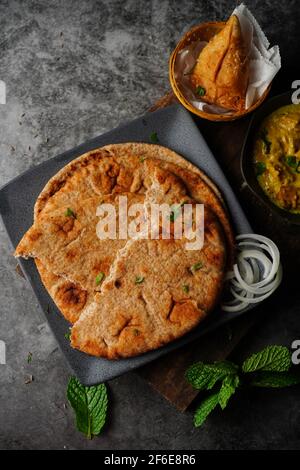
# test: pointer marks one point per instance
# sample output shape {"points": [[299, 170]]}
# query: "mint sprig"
{"points": [[269, 368], [90, 406]]}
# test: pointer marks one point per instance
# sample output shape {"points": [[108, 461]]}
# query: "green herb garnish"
{"points": [[153, 137], [260, 168], [293, 162], [90, 406], [265, 141], [185, 288], [142, 159], [29, 358], [136, 332], [176, 210], [70, 213], [139, 279], [196, 267], [268, 368], [200, 91], [68, 336], [99, 278]]}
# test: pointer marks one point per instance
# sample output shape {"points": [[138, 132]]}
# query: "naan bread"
{"points": [[67, 251], [154, 293], [222, 68]]}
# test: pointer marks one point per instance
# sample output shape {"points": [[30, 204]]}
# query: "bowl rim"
{"points": [[181, 98], [255, 122]]}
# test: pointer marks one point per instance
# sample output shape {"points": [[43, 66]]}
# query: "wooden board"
{"points": [[166, 375]]}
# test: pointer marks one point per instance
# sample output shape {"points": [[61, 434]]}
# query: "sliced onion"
{"points": [[256, 274]]}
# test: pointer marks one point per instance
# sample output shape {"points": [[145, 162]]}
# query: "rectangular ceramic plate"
{"points": [[175, 129]]}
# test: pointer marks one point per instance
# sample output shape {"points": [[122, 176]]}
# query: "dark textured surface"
{"points": [[73, 70]]}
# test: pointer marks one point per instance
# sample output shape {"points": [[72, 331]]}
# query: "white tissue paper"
{"points": [[264, 63]]}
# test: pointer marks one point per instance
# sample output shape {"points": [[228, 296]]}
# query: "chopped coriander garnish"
{"points": [[99, 278], [68, 336], [196, 267], [175, 211], [265, 141], [200, 91], [185, 288], [142, 159], [139, 279], [70, 213], [136, 332], [291, 161], [153, 137], [260, 168], [29, 357]]}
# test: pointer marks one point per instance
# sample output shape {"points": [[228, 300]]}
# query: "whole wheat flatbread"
{"points": [[104, 173], [171, 296]]}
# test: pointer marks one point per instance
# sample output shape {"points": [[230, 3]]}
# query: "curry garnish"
{"points": [[260, 168]]}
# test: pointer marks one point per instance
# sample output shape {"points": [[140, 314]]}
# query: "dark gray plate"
{"points": [[175, 129]]}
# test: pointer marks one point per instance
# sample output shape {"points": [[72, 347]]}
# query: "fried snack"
{"points": [[221, 73]]}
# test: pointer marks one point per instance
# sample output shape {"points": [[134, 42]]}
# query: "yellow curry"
{"points": [[277, 157]]}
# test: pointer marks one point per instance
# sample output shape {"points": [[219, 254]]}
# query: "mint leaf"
{"points": [[206, 407], [275, 379], [204, 376], [90, 406], [229, 386], [272, 358]]}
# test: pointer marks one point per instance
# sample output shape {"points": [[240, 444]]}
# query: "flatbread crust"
{"points": [[107, 173]]}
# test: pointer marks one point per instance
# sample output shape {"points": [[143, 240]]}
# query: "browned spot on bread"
{"points": [[186, 312], [67, 226], [121, 321], [101, 267], [71, 295], [34, 235], [124, 179], [71, 254]]}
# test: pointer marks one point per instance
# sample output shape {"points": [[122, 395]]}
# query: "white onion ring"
{"points": [[256, 274]]}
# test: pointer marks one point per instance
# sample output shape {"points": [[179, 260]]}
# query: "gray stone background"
{"points": [[74, 69]]}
